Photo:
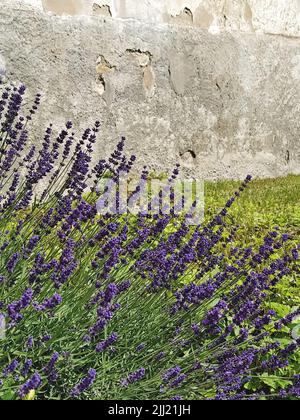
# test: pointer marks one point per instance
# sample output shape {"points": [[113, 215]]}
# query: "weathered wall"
{"points": [[267, 16], [222, 102]]}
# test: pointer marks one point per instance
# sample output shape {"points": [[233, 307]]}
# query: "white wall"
{"points": [[267, 16], [233, 99]]}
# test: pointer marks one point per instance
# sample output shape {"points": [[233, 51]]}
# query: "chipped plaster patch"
{"points": [[102, 10]]}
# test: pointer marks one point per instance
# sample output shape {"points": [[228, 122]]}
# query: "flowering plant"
{"points": [[121, 307]]}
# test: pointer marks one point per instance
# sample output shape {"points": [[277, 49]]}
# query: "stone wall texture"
{"points": [[212, 84]]}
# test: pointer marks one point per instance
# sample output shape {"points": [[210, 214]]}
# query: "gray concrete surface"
{"points": [[222, 104]]}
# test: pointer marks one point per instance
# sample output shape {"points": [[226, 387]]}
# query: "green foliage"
{"points": [[255, 216], [265, 205]]}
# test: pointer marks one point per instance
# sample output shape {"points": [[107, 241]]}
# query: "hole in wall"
{"points": [[103, 68], [188, 154], [185, 16], [103, 10], [143, 58], [287, 157], [101, 86], [188, 13], [192, 153]]}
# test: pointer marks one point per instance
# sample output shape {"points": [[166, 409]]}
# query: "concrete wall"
{"points": [[267, 16], [199, 82]]}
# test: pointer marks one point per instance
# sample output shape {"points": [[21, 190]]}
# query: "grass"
{"points": [[266, 204]]}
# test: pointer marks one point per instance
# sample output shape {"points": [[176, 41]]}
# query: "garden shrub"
{"points": [[128, 307]]}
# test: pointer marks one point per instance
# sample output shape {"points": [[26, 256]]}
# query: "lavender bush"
{"points": [[122, 307]]}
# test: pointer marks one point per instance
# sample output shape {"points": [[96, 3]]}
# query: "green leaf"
{"points": [[281, 310], [8, 395]]}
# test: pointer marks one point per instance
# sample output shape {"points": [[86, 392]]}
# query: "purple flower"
{"points": [[50, 370], [160, 356], [274, 363], [214, 315], [86, 383], [287, 319], [14, 308], [133, 377], [171, 373], [292, 390], [10, 368], [32, 384], [196, 329], [49, 303], [32, 243], [12, 262], [29, 343], [177, 381], [26, 368], [107, 343], [67, 265], [46, 338], [140, 347]]}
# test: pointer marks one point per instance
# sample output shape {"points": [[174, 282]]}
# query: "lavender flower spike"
{"points": [[86, 383]]}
